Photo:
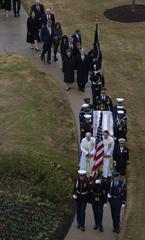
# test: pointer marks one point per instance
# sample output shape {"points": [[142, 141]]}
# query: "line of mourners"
{"points": [[103, 127]]}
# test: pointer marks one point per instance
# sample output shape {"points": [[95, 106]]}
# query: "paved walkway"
{"points": [[12, 40]]}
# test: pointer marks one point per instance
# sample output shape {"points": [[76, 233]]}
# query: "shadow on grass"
{"points": [[125, 14]]}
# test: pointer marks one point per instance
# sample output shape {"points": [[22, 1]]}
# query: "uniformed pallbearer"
{"points": [[99, 192], [117, 199], [81, 191]]}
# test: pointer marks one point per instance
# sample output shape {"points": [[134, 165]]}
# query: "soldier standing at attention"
{"points": [[99, 192], [117, 199], [81, 190]]}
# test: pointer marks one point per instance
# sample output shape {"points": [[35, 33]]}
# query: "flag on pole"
{"points": [[96, 50], [98, 158]]}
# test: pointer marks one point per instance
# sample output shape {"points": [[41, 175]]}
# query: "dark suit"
{"points": [[39, 12], [16, 7], [72, 47], [77, 38], [47, 39], [121, 159], [50, 17], [82, 66]]}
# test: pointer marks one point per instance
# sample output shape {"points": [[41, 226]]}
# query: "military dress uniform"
{"points": [[117, 199], [97, 82], [120, 128], [104, 103], [121, 159], [99, 197], [81, 191]]}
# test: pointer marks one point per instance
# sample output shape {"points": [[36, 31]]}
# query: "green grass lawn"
{"points": [[38, 152], [123, 52]]}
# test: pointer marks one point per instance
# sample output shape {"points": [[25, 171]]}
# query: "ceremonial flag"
{"points": [[97, 52], [98, 158]]}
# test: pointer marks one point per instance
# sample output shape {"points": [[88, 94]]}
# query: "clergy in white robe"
{"points": [[87, 153], [108, 152]]}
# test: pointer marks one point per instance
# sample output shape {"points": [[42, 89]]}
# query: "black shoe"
{"points": [[49, 62], [55, 59], [83, 229], [95, 227], [117, 230], [101, 229], [78, 226]]}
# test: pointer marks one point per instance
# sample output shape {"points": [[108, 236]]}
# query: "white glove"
{"points": [[74, 196], [105, 205], [123, 206], [109, 196]]}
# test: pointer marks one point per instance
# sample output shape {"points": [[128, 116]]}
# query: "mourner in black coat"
{"points": [[104, 102], [57, 38], [32, 30], [47, 35], [82, 66], [77, 37], [48, 16], [121, 157], [68, 68], [38, 8], [71, 46], [16, 7]]}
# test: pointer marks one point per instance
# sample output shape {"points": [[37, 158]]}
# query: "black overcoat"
{"points": [[121, 159], [68, 67], [82, 69], [7, 5]]}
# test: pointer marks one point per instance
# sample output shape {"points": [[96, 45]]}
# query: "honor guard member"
{"points": [[104, 102], [117, 199], [121, 157], [85, 109], [86, 126], [118, 106], [97, 82], [120, 125], [99, 190], [81, 190]]}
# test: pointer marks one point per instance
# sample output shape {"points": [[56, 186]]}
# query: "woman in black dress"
{"points": [[68, 67], [7, 6], [57, 37], [33, 31]]}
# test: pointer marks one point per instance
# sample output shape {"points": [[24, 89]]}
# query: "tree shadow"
{"points": [[125, 15]]}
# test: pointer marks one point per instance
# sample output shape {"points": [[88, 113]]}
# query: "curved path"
{"points": [[12, 40]]}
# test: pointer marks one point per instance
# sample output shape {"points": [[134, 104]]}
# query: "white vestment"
{"points": [[108, 150], [87, 148]]}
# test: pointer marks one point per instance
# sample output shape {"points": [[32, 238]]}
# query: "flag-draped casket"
{"points": [[107, 122]]}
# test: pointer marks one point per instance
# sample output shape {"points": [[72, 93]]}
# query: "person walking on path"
{"points": [[68, 68], [117, 199], [99, 190], [81, 191], [33, 31], [47, 35], [16, 7]]}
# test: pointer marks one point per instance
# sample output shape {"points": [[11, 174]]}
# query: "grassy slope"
{"points": [[123, 50], [37, 152]]}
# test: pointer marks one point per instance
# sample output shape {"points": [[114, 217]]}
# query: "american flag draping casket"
{"points": [[107, 122]]}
